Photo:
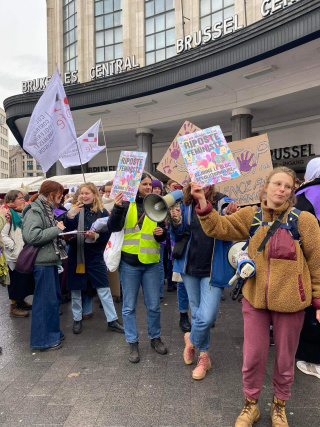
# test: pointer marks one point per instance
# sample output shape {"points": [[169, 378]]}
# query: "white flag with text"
{"points": [[51, 129], [88, 148]]}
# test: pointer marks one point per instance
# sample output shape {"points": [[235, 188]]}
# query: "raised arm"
{"points": [[231, 227]]}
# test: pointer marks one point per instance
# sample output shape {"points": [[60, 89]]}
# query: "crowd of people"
{"points": [[187, 253]]}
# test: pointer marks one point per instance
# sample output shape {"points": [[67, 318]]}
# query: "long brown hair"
{"points": [[49, 189], [188, 198], [97, 203], [281, 169]]}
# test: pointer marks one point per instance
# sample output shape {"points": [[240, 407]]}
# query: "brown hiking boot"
{"points": [[203, 366], [250, 414], [17, 312], [278, 415]]}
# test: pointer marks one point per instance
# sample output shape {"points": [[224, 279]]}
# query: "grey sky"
{"points": [[23, 45]]}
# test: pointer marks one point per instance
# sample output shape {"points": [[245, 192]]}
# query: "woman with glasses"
{"points": [[21, 285], [287, 280]]}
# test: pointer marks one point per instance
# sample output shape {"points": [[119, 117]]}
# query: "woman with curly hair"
{"points": [[86, 267]]}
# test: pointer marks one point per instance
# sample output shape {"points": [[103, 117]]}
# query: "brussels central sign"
{"points": [[227, 26]]}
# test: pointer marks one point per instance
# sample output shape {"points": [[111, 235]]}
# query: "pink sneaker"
{"points": [[203, 366], [189, 350]]}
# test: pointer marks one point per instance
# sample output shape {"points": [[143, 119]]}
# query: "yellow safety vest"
{"points": [[140, 242]]}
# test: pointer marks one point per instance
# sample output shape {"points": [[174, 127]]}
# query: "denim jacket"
{"points": [[221, 271]]}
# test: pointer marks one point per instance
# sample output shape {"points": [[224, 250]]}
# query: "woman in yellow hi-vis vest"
{"points": [[140, 255]]}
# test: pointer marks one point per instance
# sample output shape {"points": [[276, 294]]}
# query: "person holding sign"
{"points": [[287, 280], [202, 263], [86, 267], [140, 256]]}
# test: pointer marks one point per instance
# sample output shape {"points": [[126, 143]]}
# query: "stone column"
{"points": [[144, 143], [241, 123], [57, 169]]}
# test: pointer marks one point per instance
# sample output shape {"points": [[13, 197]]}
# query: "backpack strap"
{"points": [[256, 223], [292, 224]]}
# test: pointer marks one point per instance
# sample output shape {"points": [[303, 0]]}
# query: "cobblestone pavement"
{"points": [[35, 389]]}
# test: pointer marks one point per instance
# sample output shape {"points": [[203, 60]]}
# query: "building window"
{"points": [[38, 167], [160, 30], [70, 35], [108, 30], [22, 165], [29, 174], [29, 165], [212, 11]]}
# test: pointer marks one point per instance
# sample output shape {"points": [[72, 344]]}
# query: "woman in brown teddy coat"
{"points": [[287, 280]]}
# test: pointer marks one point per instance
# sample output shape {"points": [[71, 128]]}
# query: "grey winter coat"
{"points": [[36, 231]]}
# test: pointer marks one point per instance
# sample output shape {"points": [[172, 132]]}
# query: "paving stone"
{"points": [[110, 391]]}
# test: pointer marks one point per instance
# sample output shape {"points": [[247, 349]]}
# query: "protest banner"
{"points": [[128, 175], [88, 147], [51, 129], [172, 163], [253, 158], [208, 157]]}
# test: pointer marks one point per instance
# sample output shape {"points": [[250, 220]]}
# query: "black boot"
{"points": [[158, 345], [134, 356], [77, 326], [184, 322], [116, 327]]}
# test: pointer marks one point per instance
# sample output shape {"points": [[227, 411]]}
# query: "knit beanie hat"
{"points": [[156, 183]]}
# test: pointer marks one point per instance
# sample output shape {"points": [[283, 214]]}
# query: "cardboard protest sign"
{"points": [[172, 163], [208, 157], [253, 158], [128, 175]]}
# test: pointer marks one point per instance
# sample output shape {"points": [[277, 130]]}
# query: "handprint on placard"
{"points": [[244, 161], [175, 150], [123, 180], [167, 168], [188, 128], [130, 180]]}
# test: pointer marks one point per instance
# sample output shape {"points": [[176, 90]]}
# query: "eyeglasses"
{"points": [[278, 185]]}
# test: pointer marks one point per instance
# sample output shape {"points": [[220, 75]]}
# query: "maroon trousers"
{"points": [[286, 333]]}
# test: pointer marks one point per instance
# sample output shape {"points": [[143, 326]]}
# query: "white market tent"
{"points": [[97, 178], [16, 183]]}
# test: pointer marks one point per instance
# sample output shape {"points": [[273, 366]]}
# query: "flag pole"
{"points": [[105, 144], [82, 170]]}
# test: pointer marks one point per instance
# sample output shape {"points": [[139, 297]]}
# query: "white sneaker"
{"points": [[309, 368]]}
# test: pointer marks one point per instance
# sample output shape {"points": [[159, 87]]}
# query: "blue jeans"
{"points": [[161, 271], [45, 322], [84, 304], [131, 277], [183, 300], [204, 303]]}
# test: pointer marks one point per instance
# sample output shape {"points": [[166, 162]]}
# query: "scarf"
{"points": [[58, 243], [16, 219], [86, 211]]}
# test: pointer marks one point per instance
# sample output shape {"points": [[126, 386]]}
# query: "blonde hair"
{"points": [[97, 203], [281, 169]]}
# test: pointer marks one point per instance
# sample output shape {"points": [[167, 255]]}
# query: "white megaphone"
{"points": [[157, 207]]}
